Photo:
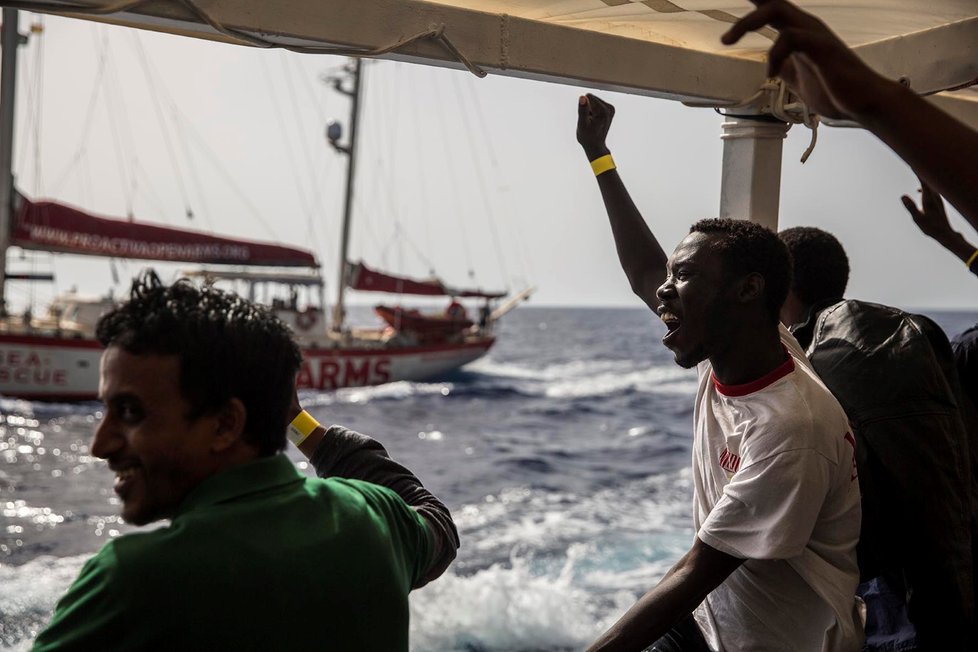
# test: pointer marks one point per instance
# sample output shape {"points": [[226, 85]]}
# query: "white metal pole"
{"points": [[750, 188], [9, 41]]}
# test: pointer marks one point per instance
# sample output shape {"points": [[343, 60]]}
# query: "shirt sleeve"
{"points": [[89, 616], [408, 529], [769, 508], [347, 454]]}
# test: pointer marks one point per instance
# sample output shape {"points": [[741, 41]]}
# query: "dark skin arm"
{"points": [[639, 252], [835, 83], [700, 570], [932, 220]]}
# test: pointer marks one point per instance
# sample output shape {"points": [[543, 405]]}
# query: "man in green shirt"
{"points": [[198, 386]]}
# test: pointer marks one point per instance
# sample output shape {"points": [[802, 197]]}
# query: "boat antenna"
{"points": [[334, 132], [10, 38]]}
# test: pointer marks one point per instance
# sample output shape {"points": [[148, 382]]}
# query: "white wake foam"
{"points": [[582, 378], [399, 390], [28, 595], [508, 607]]}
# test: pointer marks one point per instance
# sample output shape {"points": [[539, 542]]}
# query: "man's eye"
{"points": [[129, 412]]}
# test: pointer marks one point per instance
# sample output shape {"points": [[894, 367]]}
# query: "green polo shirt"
{"points": [[259, 557]]}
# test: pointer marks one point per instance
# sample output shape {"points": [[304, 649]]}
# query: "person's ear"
{"points": [[230, 425], [751, 288]]}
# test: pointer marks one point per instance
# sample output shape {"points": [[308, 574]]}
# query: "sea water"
{"points": [[563, 455]]}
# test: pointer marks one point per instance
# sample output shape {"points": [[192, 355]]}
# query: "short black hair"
{"points": [[228, 348], [820, 264], [748, 247]]}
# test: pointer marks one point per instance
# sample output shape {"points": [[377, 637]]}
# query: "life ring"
{"points": [[305, 319]]}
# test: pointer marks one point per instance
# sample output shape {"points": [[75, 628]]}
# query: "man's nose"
{"points": [[106, 439], [666, 290]]}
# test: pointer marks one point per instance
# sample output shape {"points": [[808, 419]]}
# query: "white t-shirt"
{"points": [[775, 483]]}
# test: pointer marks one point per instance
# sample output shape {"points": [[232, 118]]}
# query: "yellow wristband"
{"points": [[602, 164], [972, 259], [301, 427]]}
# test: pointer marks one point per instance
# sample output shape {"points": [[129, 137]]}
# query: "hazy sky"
{"points": [[456, 173]]}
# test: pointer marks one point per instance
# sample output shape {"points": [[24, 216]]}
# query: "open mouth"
{"points": [[124, 479], [672, 323]]}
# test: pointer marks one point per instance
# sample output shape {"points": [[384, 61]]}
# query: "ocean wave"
{"points": [[16, 406], [551, 571], [396, 391], [584, 378], [520, 605], [639, 521], [29, 594], [507, 607], [46, 410], [488, 379]]}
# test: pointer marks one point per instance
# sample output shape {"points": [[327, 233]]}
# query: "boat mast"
{"points": [[9, 40], [354, 69]]}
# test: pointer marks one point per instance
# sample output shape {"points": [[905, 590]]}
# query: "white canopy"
{"points": [[664, 48]]}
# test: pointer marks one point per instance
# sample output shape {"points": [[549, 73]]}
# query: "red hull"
{"points": [[49, 368]]}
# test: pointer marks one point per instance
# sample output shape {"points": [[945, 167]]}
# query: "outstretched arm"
{"points": [[639, 252], [932, 220], [336, 451], [700, 570], [835, 83]]}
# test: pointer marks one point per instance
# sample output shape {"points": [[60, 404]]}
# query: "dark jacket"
{"points": [[894, 375], [965, 348]]}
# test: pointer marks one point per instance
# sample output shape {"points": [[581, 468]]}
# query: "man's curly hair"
{"points": [[746, 248], [821, 267], [228, 348]]}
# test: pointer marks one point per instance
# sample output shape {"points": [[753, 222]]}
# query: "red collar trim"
{"points": [[779, 372]]}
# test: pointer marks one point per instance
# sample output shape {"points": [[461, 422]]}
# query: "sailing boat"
{"points": [[55, 356], [413, 346]]}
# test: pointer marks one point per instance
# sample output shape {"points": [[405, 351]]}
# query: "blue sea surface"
{"points": [[564, 456]]}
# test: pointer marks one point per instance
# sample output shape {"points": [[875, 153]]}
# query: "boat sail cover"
{"points": [[51, 226], [663, 48], [360, 277]]}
